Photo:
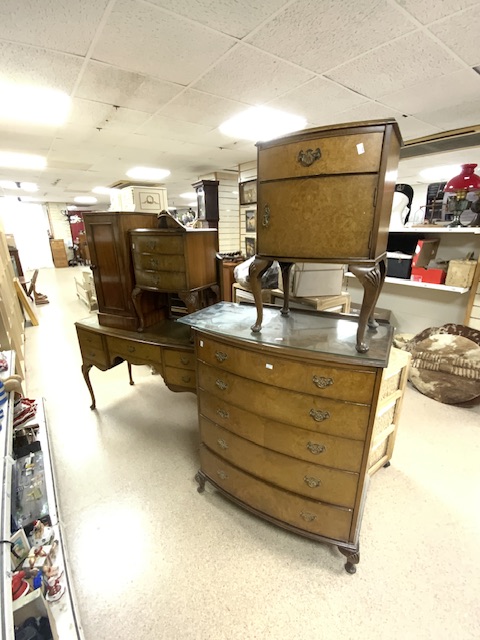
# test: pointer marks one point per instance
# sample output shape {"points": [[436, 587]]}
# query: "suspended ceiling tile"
{"points": [[427, 11], [448, 91], [159, 127], [142, 38], [105, 83], [30, 65], [62, 25], [24, 140], [461, 34], [465, 114], [321, 34], [201, 108], [228, 16], [397, 65], [251, 76], [319, 99]]}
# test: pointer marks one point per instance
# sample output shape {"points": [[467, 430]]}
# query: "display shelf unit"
{"points": [[422, 285], [63, 612]]}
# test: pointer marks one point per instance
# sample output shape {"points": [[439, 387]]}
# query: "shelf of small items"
{"points": [[34, 580]]}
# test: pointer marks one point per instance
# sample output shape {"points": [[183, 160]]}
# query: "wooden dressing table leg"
{"points": [[137, 303], [200, 478], [129, 366], [191, 300], [286, 268], [86, 374], [371, 279], [256, 271], [353, 558]]}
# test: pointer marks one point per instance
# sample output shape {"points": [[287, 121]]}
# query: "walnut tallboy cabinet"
{"points": [[325, 195], [111, 265]]}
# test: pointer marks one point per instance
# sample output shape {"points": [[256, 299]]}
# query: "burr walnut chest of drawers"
{"points": [[173, 260], [325, 195], [293, 421]]}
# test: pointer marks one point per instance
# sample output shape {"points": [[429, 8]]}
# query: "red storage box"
{"points": [[434, 276]]}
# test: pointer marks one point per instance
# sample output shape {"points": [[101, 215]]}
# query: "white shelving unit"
{"points": [[422, 285], [62, 612]]}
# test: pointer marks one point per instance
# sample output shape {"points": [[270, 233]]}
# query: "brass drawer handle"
{"points": [[266, 216], [92, 354], [312, 482], [221, 384], [308, 517], [222, 444], [184, 360], [151, 245], [315, 448], [220, 356], [223, 414], [186, 378], [131, 349], [319, 416], [308, 157], [153, 262], [321, 382], [222, 474]]}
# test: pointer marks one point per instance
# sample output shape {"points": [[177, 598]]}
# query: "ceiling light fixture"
{"points": [[21, 160], [33, 104], [85, 199], [262, 123], [188, 195], [147, 173]]}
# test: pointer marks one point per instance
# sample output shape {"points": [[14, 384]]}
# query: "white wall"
{"points": [[28, 223]]}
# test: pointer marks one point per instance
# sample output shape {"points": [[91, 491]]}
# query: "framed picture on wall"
{"points": [[19, 548], [249, 247], [250, 221], [248, 192]]}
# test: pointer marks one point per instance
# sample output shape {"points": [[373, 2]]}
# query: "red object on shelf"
{"points": [[433, 276], [466, 180]]}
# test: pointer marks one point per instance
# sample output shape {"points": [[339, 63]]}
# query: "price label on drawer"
{"points": [[200, 343], [360, 148], [269, 366]]}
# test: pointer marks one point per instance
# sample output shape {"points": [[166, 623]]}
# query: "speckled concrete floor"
{"points": [[152, 558]]}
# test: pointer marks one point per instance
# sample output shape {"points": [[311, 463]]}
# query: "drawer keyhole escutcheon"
{"points": [[315, 448], [321, 382], [221, 384], [308, 157], [220, 356], [131, 349], [319, 416], [221, 474], [186, 378], [313, 483], [184, 360], [308, 517], [223, 414], [266, 216], [222, 444]]}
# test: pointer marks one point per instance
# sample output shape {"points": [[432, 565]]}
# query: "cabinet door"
{"points": [[324, 217]]}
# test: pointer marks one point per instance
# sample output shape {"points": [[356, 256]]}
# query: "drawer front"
{"points": [[134, 352], [325, 216], [91, 347], [153, 262], [317, 448], [179, 359], [357, 153], [303, 513], [321, 379], [150, 243], [299, 410], [310, 480], [180, 378], [162, 280]]}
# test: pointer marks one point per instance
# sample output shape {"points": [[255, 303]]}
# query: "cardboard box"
{"points": [[308, 279], [433, 276], [460, 273], [399, 264], [144, 199], [425, 251]]}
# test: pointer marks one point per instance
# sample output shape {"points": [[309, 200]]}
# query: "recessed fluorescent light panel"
{"points": [[104, 191], [262, 123], [14, 186], [37, 105], [440, 174], [147, 173], [21, 160], [188, 195], [85, 199]]}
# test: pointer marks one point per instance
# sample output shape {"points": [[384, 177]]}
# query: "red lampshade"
{"points": [[466, 180]]}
